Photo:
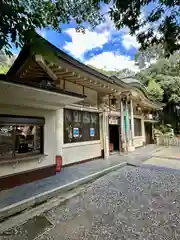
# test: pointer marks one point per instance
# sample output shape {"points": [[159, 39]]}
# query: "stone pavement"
{"points": [[130, 203], [168, 157], [70, 174], [141, 154]]}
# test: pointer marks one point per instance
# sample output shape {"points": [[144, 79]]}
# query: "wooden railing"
{"points": [[168, 141]]}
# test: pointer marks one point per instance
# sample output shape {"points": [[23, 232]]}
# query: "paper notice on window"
{"points": [[92, 132], [75, 132]]}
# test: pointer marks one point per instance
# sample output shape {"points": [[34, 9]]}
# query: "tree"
{"points": [[155, 90], [145, 58], [159, 26], [5, 62], [163, 83], [166, 73], [4, 69], [20, 18], [120, 73]]}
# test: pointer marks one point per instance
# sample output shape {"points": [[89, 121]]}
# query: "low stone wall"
{"points": [[168, 141]]}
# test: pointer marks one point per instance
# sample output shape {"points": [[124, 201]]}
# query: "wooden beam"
{"points": [[57, 69], [35, 69], [80, 82], [66, 74], [39, 59], [23, 67], [34, 74], [32, 79], [72, 78], [78, 79], [58, 74]]}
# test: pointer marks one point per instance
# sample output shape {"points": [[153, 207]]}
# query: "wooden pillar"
{"points": [[127, 122], [59, 131], [122, 125], [35, 137], [106, 135], [127, 127], [132, 123]]}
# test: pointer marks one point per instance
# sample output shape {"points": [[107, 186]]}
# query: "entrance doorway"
{"points": [[113, 138], [148, 132]]}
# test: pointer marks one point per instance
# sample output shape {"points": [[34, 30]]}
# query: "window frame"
{"points": [[84, 128], [13, 120], [137, 127]]}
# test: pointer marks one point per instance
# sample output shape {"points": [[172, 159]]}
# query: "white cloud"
{"points": [[122, 35], [129, 41], [83, 42], [111, 61], [108, 24], [96, 38]]}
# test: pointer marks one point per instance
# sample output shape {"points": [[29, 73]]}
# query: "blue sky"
{"points": [[102, 47]]}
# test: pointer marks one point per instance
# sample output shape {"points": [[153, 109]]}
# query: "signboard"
{"points": [[150, 116], [113, 120], [92, 132], [75, 132]]}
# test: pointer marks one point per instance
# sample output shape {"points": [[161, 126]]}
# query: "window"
{"points": [[80, 126], [20, 136], [137, 127]]}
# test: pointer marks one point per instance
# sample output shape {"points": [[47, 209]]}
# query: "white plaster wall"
{"points": [[49, 140], [76, 152]]}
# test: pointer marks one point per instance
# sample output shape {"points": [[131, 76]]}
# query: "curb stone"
{"points": [[42, 197], [28, 214]]}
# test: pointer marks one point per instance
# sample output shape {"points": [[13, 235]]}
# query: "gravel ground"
{"points": [[131, 203]]}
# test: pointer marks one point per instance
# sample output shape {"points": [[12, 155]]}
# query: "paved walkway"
{"points": [[70, 174], [169, 157]]}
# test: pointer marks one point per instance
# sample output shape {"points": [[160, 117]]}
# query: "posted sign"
{"points": [[92, 132], [75, 132]]}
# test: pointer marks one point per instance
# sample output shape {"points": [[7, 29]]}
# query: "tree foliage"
{"points": [[146, 57], [165, 75], [20, 18], [5, 62], [155, 90], [4, 69], [161, 25], [120, 73], [163, 83]]}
